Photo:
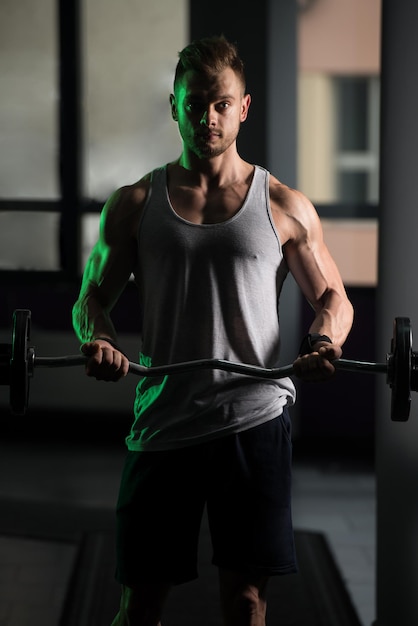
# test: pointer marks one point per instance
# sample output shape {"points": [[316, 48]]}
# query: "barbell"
{"points": [[18, 362]]}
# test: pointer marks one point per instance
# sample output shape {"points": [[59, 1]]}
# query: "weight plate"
{"points": [[400, 378], [19, 370], [414, 371]]}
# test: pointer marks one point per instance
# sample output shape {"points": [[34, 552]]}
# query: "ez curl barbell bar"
{"points": [[18, 362]]}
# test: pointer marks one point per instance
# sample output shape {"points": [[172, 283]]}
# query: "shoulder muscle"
{"points": [[122, 212], [294, 215]]}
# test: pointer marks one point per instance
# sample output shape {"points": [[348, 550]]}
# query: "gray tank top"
{"points": [[207, 291]]}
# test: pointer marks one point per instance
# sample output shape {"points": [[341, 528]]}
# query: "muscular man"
{"points": [[209, 239]]}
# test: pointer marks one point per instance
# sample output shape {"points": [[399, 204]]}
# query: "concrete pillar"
{"points": [[282, 72], [397, 443]]}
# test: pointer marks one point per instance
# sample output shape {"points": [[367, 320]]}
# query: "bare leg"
{"points": [[141, 605], [243, 599]]}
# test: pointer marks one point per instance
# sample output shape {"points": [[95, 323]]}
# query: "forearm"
{"points": [[334, 317], [91, 319]]}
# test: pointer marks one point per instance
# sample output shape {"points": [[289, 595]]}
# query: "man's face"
{"points": [[209, 111]]}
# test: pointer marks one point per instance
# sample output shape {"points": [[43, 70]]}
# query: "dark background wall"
{"points": [[245, 24]]}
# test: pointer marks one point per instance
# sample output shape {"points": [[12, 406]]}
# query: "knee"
{"points": [[251, 601], [140, 606], [245, 607]]}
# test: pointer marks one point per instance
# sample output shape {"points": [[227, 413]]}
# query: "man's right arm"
{"points": [[108, 269]]}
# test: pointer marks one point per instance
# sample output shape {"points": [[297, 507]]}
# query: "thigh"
{"points": [[249, 506], [158, 518]]}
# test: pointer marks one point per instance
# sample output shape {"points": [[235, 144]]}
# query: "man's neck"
{"points": [[220, 170]]}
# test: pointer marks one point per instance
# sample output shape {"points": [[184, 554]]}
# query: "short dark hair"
{"points": [[209, 56]]}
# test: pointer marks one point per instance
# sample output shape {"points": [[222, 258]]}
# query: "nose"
{"points": [[208, 117]]}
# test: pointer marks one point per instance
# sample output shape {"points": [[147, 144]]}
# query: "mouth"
{"points": [[207, 136]]}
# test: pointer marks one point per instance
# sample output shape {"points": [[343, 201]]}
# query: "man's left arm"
{"points": [[317, 275]]}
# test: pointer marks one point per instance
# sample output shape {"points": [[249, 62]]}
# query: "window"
{"points": [[338, 128], [29, 229], [339, 138], [357, 139], [125, 58]]}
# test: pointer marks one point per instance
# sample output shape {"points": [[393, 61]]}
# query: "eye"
{"points": [[193, 107]]}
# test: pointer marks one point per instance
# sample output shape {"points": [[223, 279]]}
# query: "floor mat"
{"points": [[316, 596]]}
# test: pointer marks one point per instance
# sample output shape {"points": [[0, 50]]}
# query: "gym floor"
{"points": [[333, 494]]}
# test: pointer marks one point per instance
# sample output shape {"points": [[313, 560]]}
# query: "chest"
{"points": [[211, 206], [205, 236]]}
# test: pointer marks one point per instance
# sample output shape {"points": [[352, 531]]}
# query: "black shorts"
{"points": [[245, 481]]}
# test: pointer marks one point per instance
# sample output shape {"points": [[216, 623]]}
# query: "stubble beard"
{"points": [[207, 151]]}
